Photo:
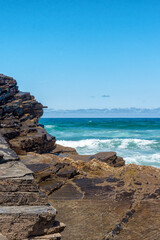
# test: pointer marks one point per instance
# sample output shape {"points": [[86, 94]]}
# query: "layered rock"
{"points": [[24, 211], [106, 202], [19, 115]]}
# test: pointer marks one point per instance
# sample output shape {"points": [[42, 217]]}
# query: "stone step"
{"points": [[56, 236], [21, 184], [13, 170], [21, 222], [5, 150], [22, 198]]}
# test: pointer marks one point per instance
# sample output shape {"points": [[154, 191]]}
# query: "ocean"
{"points": [[137, 140]]}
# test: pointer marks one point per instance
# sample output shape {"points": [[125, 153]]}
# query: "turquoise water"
{"points": [[136, 140]]}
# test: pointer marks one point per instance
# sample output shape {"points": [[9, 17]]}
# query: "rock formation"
{"points": [[24, 211], [19, 115], [106, 202], [97, 196]]}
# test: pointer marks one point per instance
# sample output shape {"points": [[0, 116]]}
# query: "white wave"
{"points": [[144, 159], [81, 143], [110, 143], [140, 143], [132, 150], [49, 126]]}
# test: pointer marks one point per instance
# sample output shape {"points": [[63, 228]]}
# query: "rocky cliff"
{"points": [[19, 115], [24, 211], [97, 196]]}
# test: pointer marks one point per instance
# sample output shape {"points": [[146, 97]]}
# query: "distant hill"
{"points": [[103, 113]]}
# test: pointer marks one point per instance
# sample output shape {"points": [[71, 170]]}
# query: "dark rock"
{"points": [[39, 142], [51, 186], [109, 158], [67, 172], [67, 192], [19, 112], [38, 167]]}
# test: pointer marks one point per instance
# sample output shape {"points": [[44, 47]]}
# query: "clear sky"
{"points": [[75, 54]]}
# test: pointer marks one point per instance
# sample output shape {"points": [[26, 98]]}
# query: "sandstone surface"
{"points": [[117, 199]]}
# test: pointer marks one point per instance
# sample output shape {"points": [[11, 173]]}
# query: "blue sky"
{"points": [[74, 54]]}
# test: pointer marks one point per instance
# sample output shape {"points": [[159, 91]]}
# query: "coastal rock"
{"points": [[6, 153], [116, 195], [19, 116], [20, 222], [39, 141], [63, 150], [109, 158], [116, 200], [24, 211]]}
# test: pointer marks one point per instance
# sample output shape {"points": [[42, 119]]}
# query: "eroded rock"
{"points": [[19, 116], [24, 211]]}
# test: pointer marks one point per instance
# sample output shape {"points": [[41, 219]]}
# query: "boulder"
{"points": [[37, 140], [59, 149], [109, 158]]}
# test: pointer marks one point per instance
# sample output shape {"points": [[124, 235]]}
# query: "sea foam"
{"points": [[110, 143], [138, 151]]}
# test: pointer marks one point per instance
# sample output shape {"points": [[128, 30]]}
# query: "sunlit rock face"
{"points": [[96, 199], [19, 116]]}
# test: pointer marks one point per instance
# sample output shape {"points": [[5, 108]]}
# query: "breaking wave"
{"points": [[136, 140], [136, 151], [110, 144]]}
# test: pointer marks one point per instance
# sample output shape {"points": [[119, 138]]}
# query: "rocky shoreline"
{"points": [[98, 197]]}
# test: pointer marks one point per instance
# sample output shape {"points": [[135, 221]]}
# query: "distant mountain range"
{"points": [[103, 113]]}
